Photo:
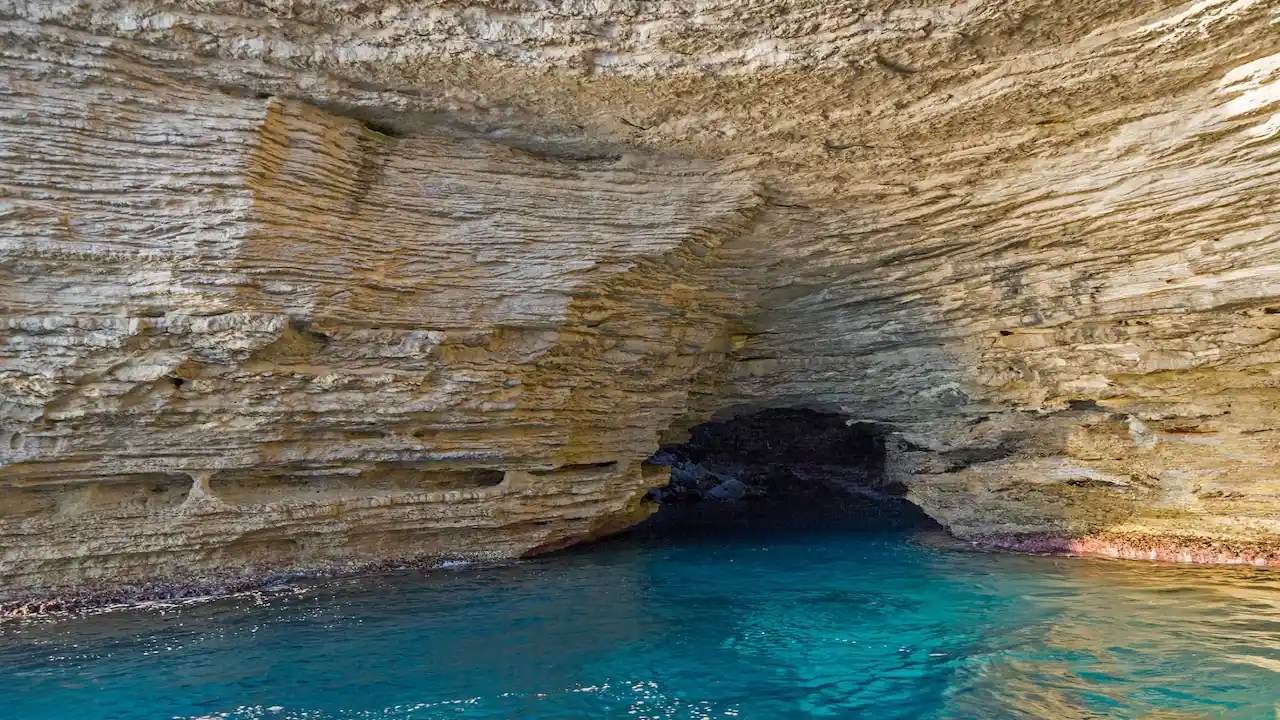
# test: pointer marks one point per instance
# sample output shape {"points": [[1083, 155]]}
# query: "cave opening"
{"points": [[779, 470]]}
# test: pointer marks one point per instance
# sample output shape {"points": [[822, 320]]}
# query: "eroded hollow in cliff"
{"points": [[113, 496], [784, 464]]}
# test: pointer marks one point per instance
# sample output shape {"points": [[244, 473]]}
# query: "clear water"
{"points": [[823, 620]]}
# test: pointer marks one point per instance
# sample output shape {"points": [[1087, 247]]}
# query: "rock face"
{"points": [[297, 285]]}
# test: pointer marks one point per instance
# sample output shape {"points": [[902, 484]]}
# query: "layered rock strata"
{"points": [[293, 286]]}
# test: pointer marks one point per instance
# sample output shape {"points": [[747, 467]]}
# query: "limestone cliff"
{"points": [[296, 285]]}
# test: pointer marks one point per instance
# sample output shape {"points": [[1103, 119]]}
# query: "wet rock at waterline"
{"points": [[289, 289]]}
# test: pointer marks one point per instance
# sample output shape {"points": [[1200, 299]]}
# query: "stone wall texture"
{"points": [[291, 285]]}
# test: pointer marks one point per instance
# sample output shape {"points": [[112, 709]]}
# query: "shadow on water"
{"points": [[768, 520]]}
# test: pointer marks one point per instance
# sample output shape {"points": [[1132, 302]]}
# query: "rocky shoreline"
{"points": [[66, 602], [1127, 546]]}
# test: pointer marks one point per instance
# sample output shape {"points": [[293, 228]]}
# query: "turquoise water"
{"points": [[832, 619]]}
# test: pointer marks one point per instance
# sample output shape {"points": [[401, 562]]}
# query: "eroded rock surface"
{"points": [[294, 285]]}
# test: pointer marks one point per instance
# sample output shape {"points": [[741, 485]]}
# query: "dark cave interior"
{"points": [[779, 469]]}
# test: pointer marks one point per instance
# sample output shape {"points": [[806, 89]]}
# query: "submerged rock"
{"points": [[436, 280], [728, 491]]}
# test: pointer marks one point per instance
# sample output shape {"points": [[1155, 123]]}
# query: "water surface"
{"points": [[830, 618]]}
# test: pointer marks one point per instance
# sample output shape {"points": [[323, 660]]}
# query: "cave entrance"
{"points": [[778, 469]]}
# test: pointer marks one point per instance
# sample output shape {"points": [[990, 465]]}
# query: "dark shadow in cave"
{"points": [[780, 471]]}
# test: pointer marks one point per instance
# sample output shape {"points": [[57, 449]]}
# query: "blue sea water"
{"points": [[829, 618]]}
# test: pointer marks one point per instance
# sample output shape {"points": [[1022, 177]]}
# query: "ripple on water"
{"points": [[828, 623]]}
